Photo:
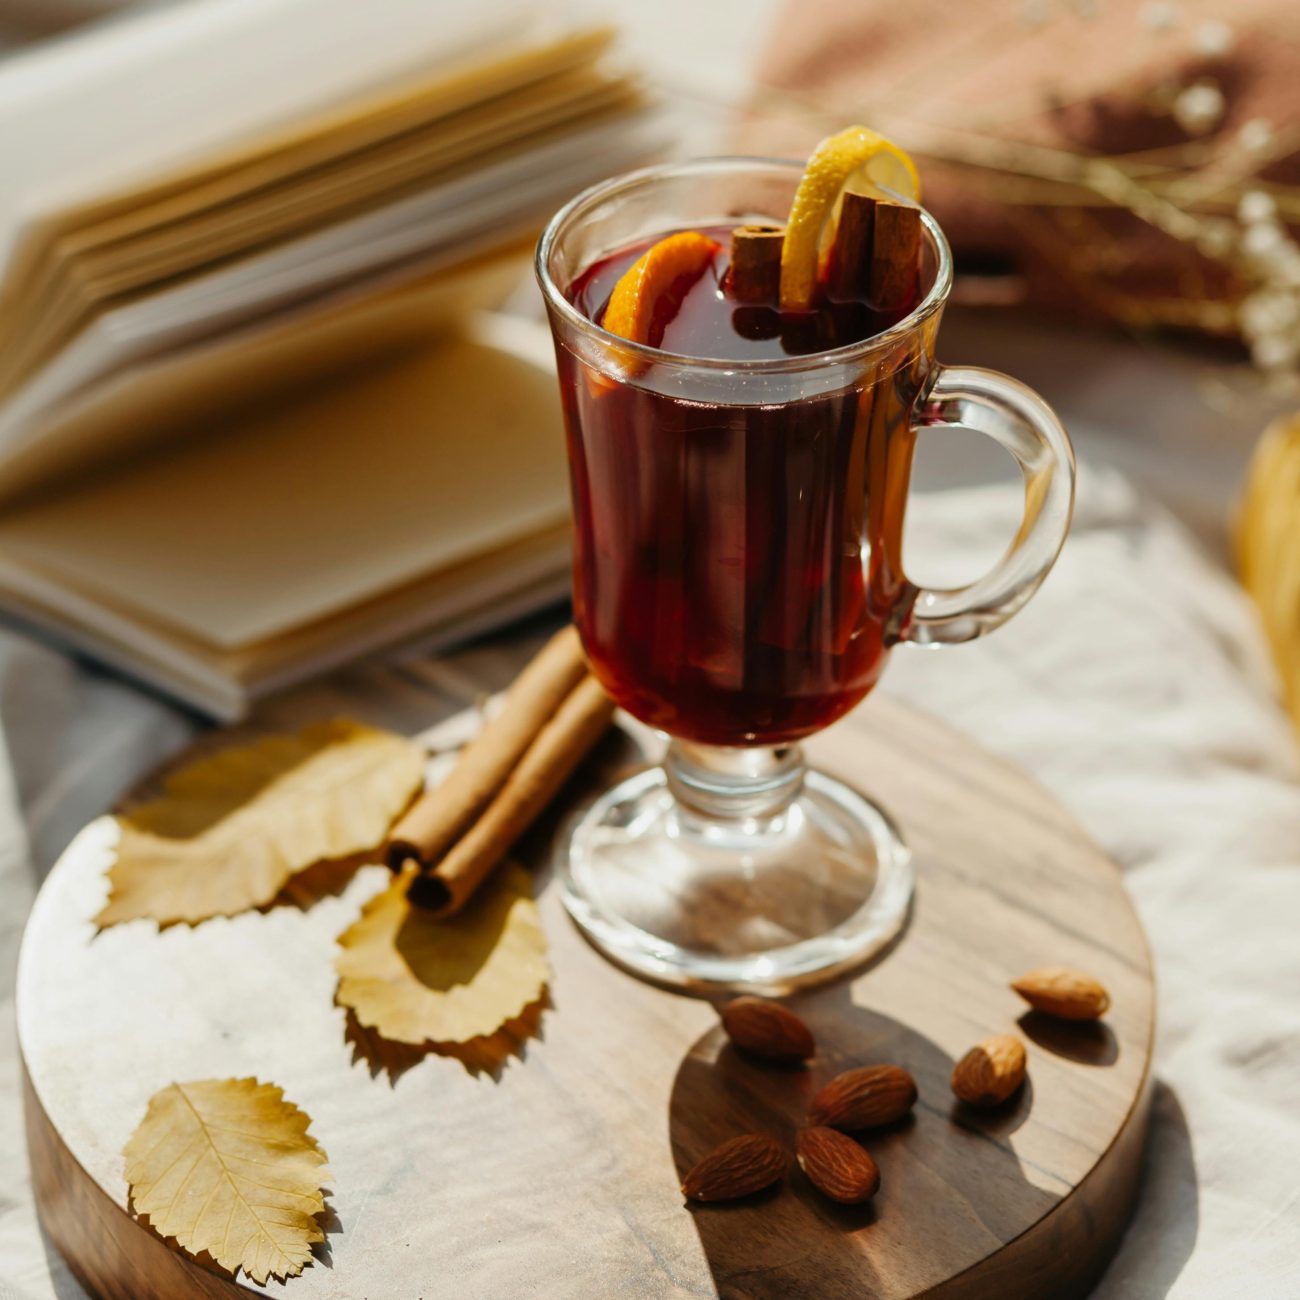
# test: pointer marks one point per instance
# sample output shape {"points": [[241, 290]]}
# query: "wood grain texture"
{"points": [[558, 1175]]}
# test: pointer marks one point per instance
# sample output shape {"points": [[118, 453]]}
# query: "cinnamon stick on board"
{"points": [[545, 766], [441, 815], [755, 272]]}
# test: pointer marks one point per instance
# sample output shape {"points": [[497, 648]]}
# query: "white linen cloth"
{"points": [[1134, 686]]}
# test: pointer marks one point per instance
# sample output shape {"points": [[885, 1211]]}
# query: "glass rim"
{"points": [[933, 300]]}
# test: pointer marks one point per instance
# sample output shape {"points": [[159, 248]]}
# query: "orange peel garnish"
{"points": [[631, 310], [856, 158]]}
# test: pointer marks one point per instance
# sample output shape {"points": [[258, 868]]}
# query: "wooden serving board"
{"points": [[558, 1177]]}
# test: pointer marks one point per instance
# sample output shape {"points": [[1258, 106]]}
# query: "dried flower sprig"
{"points": [[1206, 193]]}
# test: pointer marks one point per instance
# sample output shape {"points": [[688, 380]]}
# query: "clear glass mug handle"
{"points": [[1016, 418]]}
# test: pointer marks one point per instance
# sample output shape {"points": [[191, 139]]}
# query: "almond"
{"points": [[739, 1167], [1067, 994], [864, 1098], [837, 1166], [767, 1029], [991, 1071]]}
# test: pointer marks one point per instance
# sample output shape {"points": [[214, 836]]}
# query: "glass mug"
{"points": [[738, 585]]}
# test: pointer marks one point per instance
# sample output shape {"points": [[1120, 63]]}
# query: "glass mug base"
{"points": [[801, 879]]}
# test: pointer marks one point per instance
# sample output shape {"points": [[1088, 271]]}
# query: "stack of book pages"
{"points": [[245, 431]]}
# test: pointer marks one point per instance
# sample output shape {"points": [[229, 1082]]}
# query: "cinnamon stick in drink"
{"points": [[440, 816], [895, 255], [544, 767], [755, 272], [849, 273]]}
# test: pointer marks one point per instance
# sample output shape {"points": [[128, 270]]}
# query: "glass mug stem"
{"points": [[750, 787]]}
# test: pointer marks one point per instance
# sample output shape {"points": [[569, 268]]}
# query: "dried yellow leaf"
{"points": [[414, 979], [231, 828], [485, 1055], [490, 1053], [227, 1166]]}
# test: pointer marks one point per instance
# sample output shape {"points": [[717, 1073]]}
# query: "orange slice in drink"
{"points": [[631, 310], [858, 159]]}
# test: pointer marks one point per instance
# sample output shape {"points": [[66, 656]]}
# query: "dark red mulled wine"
{"points": [[737, 576]]}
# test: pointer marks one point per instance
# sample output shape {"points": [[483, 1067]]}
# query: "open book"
{"points": [[237, 442], [420, 495]]}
